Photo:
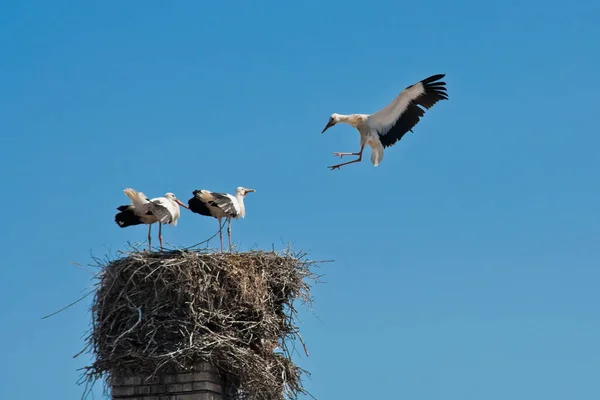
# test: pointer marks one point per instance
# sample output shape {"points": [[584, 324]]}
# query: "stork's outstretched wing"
{"points": [[403, 113]]}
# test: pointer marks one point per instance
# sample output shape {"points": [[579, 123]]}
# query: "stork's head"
{"points": [[172, 197], [242, 191], [334, 119]]}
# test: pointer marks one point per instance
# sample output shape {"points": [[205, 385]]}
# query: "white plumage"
{"points": [[385, 127], [219, 206], [164, 210]]}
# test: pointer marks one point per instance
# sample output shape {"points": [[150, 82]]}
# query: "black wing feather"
{"points": [[197, 206], [432, 93], [127, 217], [221, 201]]}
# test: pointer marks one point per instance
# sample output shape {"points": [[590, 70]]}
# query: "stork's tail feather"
{"points": [[126, 217], [376, 153], [131, 193], [137, 198]]}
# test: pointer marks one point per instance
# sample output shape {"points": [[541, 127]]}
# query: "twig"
{"points": [[207, 240], [129, 330], [70, 305], [303, 344]]}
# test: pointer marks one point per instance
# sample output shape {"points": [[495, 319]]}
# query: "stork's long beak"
{"points": [[246, 191], [181, 204], [329, 125]]}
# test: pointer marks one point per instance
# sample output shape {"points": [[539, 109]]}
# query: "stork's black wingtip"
{"points": [[433, 78]]}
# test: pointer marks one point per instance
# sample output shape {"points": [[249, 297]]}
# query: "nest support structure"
{"points": [[159, 312]]}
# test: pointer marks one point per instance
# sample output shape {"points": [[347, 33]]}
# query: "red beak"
{"points": [[181, 204]]}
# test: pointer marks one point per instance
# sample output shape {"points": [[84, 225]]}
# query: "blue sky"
{"points": [[466, 264]]}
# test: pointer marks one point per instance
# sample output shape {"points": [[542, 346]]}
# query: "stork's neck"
{"points": [[352, 119], [240, 199]]}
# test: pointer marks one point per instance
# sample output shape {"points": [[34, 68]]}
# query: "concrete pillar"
{"points": [[202, 384]]}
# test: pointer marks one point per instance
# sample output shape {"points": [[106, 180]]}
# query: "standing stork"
{"points": [[164, 210], [138, 212], [387, 126], [219, 206]]}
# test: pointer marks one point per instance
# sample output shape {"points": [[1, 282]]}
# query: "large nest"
{"points": [[156, 312]]}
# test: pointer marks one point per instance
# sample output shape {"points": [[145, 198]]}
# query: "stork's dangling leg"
{"points": [[229, 232], [160, 235], [149, 238], [346, 154], [359, 154]]}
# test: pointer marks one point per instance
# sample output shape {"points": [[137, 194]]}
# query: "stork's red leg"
{"points": [[362, 147], [221, 234], [149, 238], [345, 154], [160, 235], [229, 232]]}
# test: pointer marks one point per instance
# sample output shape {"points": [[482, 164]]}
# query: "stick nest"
{"points": [[159, 312]]}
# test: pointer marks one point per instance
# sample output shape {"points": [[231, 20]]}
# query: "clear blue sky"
{"points": [[467, 263]]}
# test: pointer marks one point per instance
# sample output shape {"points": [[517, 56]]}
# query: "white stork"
{"points": [[388, 125], [219, 206], [164, 210]]}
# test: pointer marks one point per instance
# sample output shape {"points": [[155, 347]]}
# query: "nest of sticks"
{"points": [[159, 312]]}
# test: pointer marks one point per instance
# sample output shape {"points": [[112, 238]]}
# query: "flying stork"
{"points": [[219, 206], [164, 210], [387, 126]]}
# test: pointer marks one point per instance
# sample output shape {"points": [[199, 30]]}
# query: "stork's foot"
{"points": [[337, 166], [334, 167], [345, 154]]}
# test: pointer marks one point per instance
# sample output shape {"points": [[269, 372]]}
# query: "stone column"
{"points": [[202, 384]]}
